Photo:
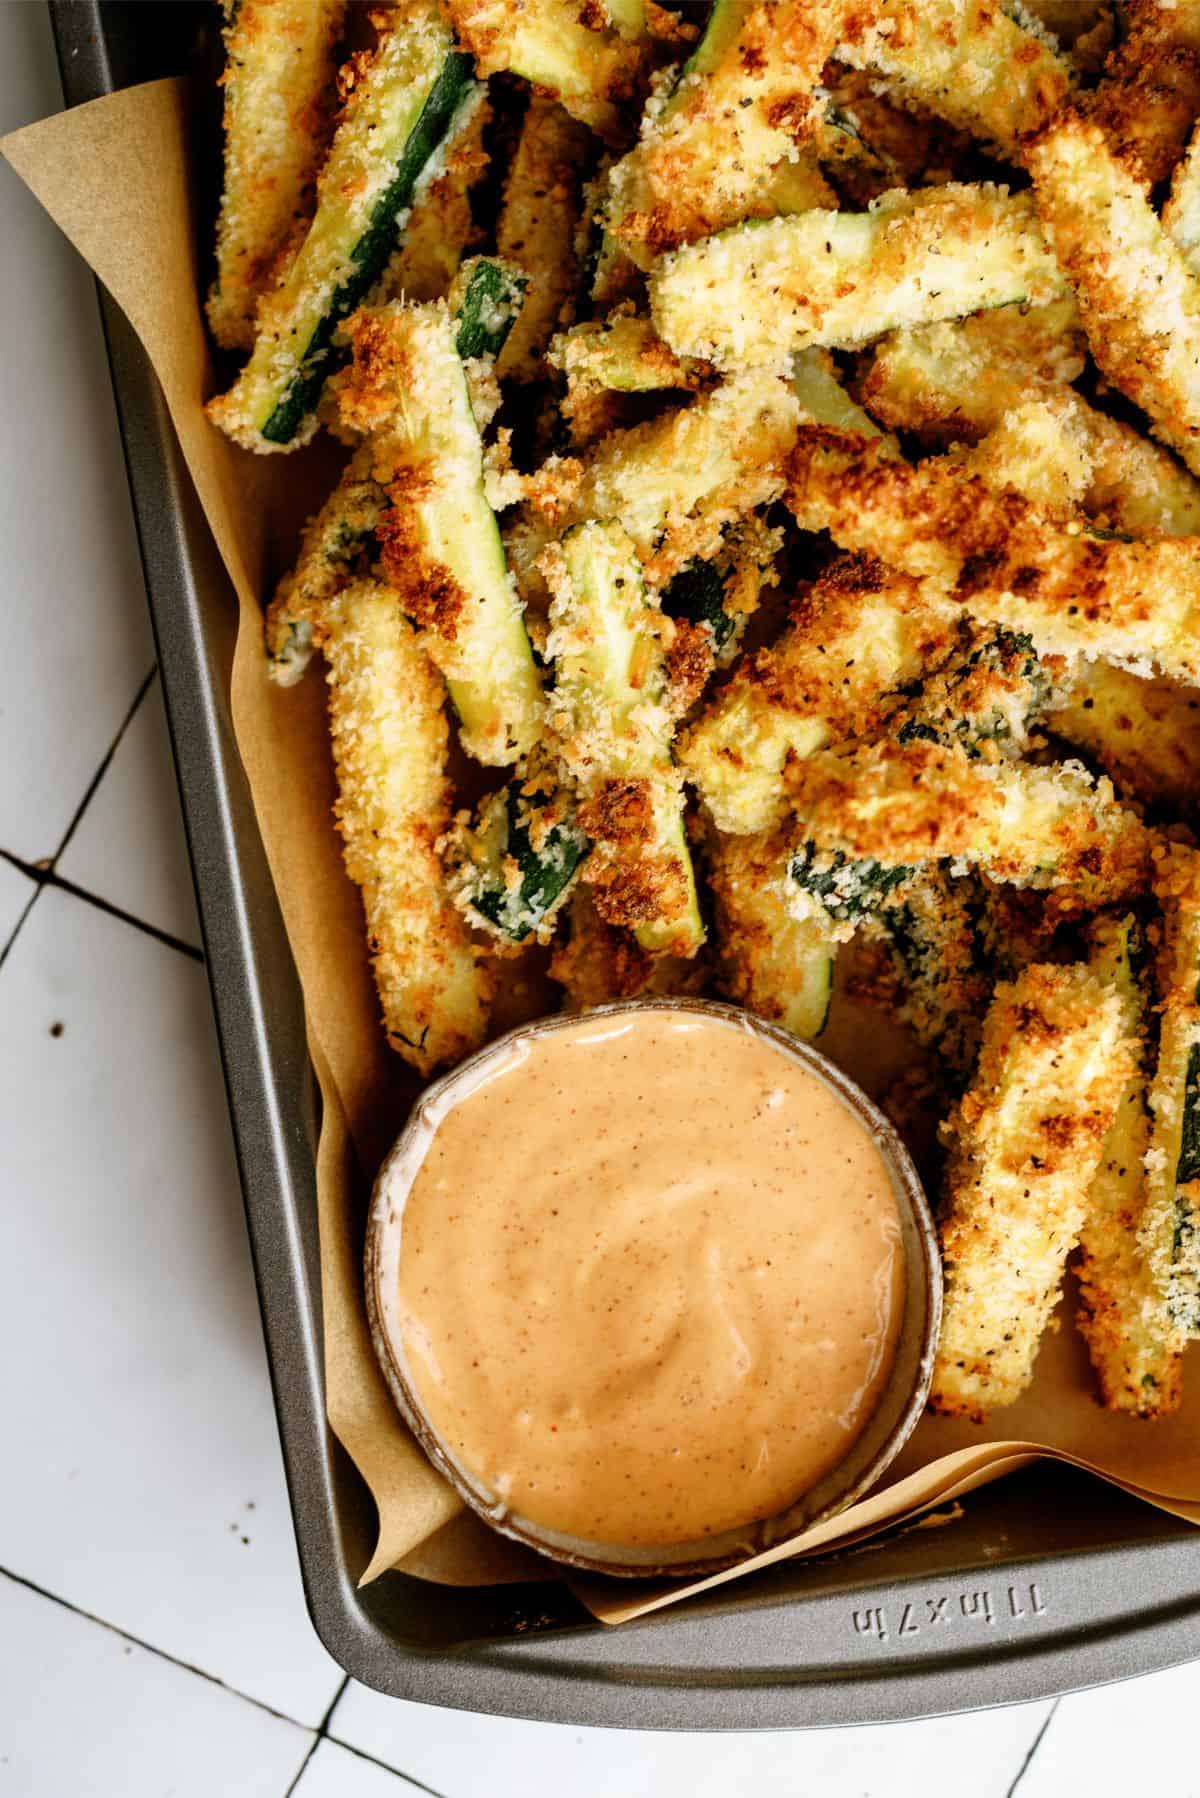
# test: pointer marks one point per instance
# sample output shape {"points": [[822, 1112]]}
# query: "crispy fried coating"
{"points": [[676, 483], [536, 229], [280, 101], [598, 963], [1147, 102], [388, 725], [901, 804], [756, 293], [719, 146], [777, 965], [1024, 1145], [969, 61], [856, 633], [561, 46], [999, 557], [441, 229], [1135, 1348], [1138, 298]]}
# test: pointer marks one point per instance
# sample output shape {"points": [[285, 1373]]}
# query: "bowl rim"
{"points": [[727, 1549]]}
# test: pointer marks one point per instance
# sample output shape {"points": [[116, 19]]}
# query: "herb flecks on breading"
{"points": [[1024, 1145]]}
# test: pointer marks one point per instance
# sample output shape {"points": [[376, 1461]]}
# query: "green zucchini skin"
{"points": [[486, 309], [845, 890], [370, 254], [990, 694], [509, 822], [697, 593]]}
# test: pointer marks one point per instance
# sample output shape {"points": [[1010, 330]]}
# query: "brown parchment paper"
{"points": [[117, 177]]}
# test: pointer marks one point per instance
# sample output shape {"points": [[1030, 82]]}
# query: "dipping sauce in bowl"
{"points": [[641, 1279]]}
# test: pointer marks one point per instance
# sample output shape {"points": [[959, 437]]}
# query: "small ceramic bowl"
{"points": [[885, 1431]]}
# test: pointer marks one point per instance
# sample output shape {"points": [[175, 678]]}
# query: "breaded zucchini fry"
{"points": [[537, 225], [1025, 1143], [714, 149], [439, 542], [857, 633], [969, 61], [511, 867], [900, 804], [1169, 1236], [675, 483], [389, 745], [986, 694], [1145, 734], [756, 293], [774, 964], [603, 359], [932, 932], [279, 83], [951, 383], [404, 100], [1135, 1348], [1147, 102], [1073, 591], [610, 723], [1039, 451], [1139, 300], [548, 43]]}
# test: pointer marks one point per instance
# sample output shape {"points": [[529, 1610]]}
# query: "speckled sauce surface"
{"points": [[651, 1279]]}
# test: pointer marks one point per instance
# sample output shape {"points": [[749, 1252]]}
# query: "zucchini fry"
{"points": [[1145, 734], [618, 355], [1025, 1143], [439, 542], [1169, 1236], [1135, 1348], [932, 931], [340, 539], [1147, 102], [279, 76], [548, 43], [857, 633], [1138, 299], [1072, 591], [734, 125], [776, 965], [610, 723], [990, 689], [969, 61], [405, 100], [756, 293], [511, 868], [389, 744], [536, 229], [950, 383], [1053, 829], [676, 483]]}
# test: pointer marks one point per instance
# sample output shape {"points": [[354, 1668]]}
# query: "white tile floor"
{"points": [[152, 1633]]}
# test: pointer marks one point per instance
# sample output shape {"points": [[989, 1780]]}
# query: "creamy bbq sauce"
{"points": [[650, 1280]]}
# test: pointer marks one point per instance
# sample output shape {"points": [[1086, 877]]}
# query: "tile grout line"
{"points": [[77, 1610], [102, 770], [20, 923], [1031, 1751], [418, 1784], [46, 877], [321, 1735]]}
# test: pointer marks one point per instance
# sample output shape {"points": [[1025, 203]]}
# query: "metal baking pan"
{"points": [[1049, 1582]]}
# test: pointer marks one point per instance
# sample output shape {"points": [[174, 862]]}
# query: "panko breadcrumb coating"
{"points": [[1024, 1145]]}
